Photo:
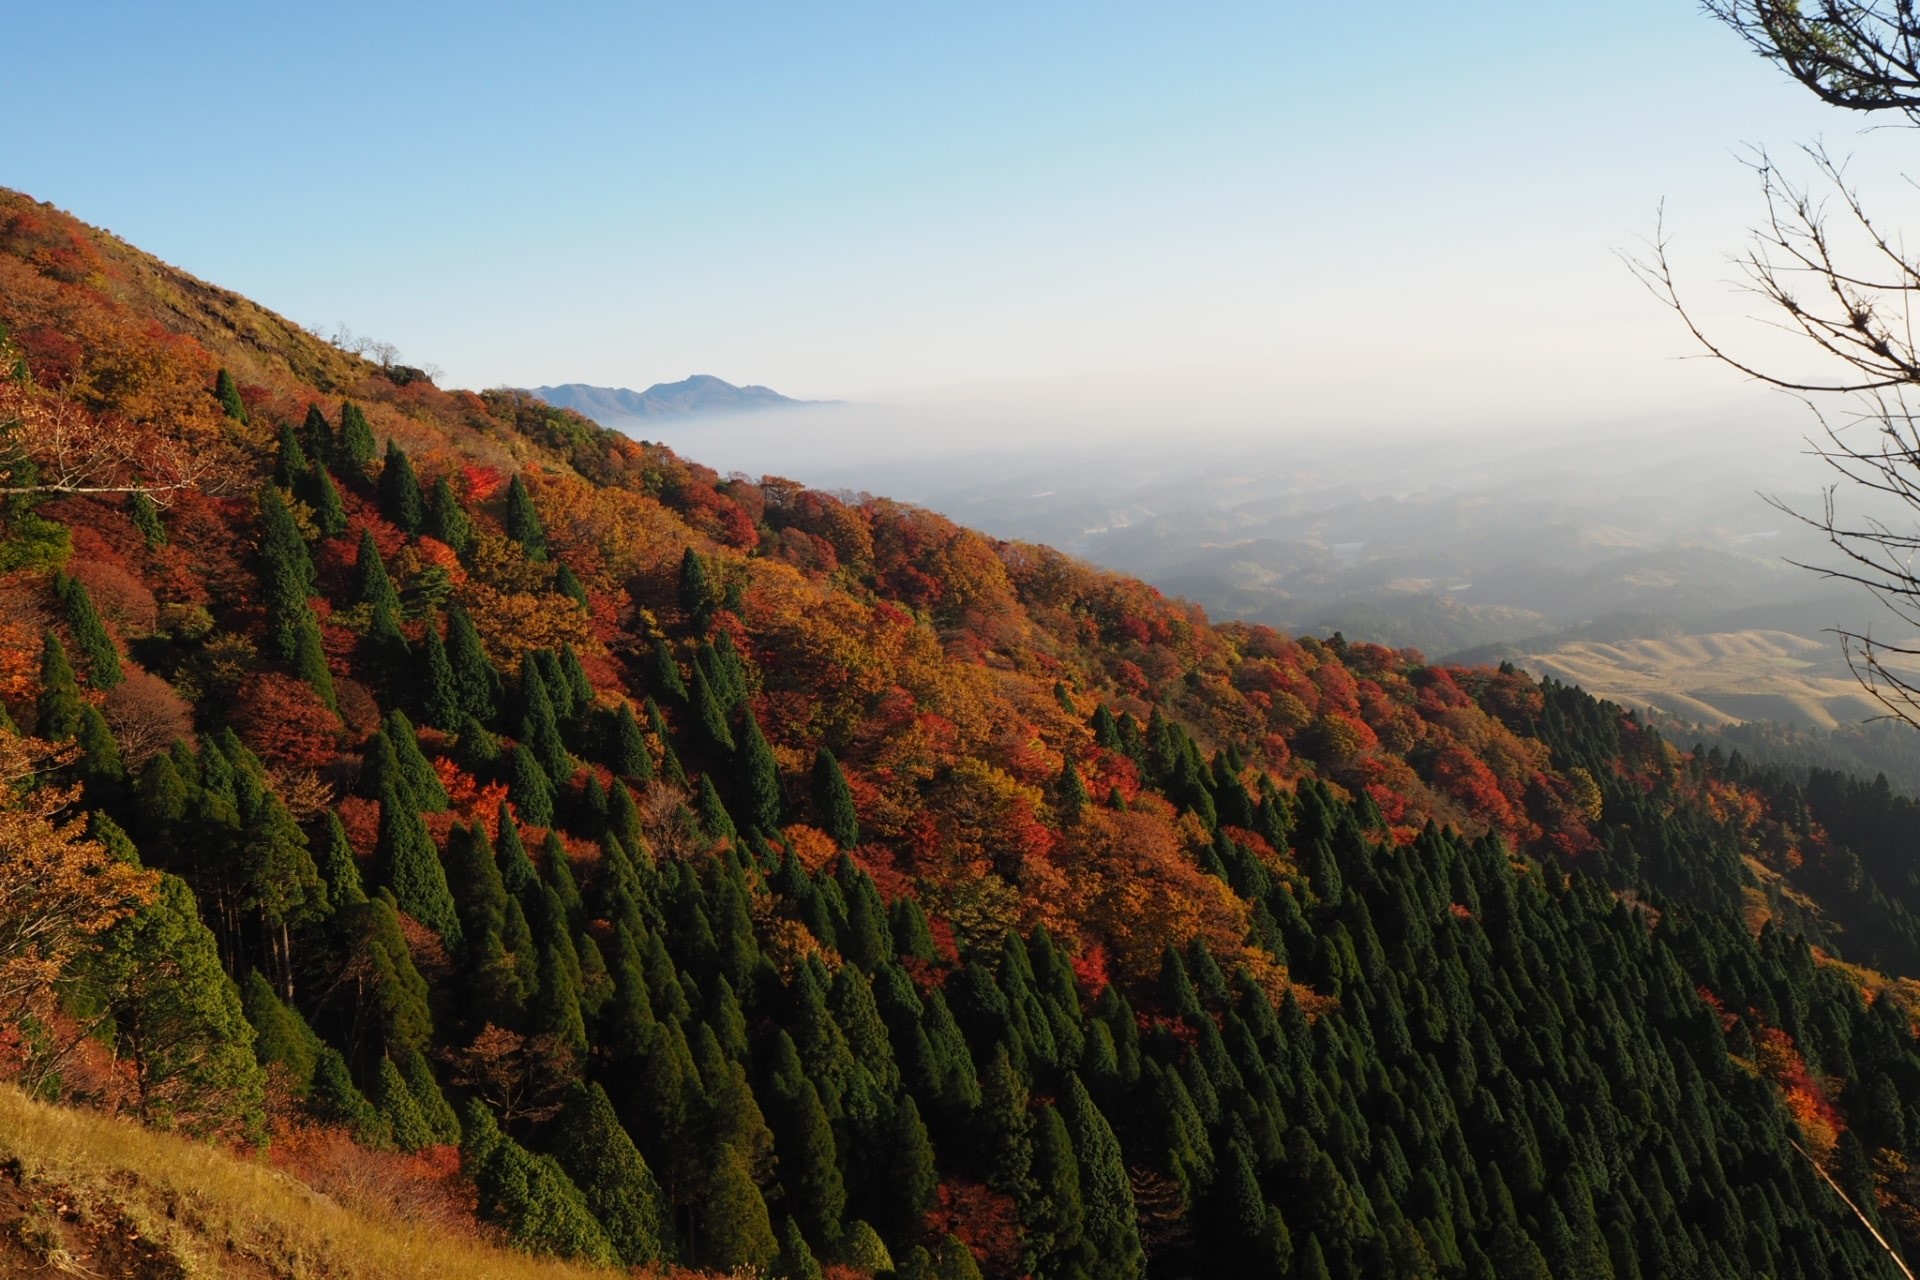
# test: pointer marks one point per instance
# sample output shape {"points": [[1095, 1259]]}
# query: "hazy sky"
{"points": [[1346, 213]]}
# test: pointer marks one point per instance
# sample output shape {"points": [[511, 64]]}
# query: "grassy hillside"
{"points": [[85, 1195]]}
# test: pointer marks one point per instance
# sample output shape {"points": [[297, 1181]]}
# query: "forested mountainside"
{"points": [[488, 818]]}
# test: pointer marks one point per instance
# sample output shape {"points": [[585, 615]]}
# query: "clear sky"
{"points": [[1345, 213]]}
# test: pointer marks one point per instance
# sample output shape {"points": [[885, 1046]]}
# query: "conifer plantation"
{"points": [[435, 792]]}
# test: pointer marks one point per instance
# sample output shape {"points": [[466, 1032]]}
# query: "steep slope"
{"points": [[740, 876]]}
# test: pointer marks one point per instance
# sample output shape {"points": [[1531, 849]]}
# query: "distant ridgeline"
{"points": [[722, 873], [702, 395]]}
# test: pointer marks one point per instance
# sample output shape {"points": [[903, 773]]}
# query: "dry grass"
{"points": [[1718, 678], [206, 1213]]}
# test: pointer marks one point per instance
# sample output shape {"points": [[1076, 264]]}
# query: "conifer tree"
{"points": [[619, 1188], [423, 785], [408, 864], [473, 671], [336, 1099], [228, 395], [1053, 1210], [713, 812], [540, 725], [1111, 1224], [288, 576], [316, 435], [666, 675], [697, 596], [1072, 793], [339, 868], [538, 1205], [310, 661], [759, 776], [736, 1231], [529, 788], [396, 1105], [517, 874], [568, 584], [907, 925], [282, 1037], [446, 519], [89, 632], [356, 439], [179, 1019], [862, 1247], [797, 1260], [400, 499], [474, 877], [316, 488], [442, 1122], [627, 753], [60, 711], [290, 460], [910, 1180], [709, 716], [371, 583], [803, 1136], [146, 518], [523, 521], [833, 800], [442, 704]]}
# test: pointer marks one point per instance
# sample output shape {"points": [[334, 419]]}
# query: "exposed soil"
{"points": [[44, 1231]]}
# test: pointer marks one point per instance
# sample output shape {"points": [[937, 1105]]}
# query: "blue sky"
{"points": [[1346, 213]]}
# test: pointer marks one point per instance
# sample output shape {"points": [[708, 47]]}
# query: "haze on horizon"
{"points": [[1349, 219]]}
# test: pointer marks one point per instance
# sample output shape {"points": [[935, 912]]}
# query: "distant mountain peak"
{"points": [[700, 395]]}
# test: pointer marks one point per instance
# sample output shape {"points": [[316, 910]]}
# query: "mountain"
{"points": [[462, 801], [702, 395]]}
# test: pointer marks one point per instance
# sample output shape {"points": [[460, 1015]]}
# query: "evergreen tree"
{"points": [[228, 395], [666, 674], [627, 752], [400, 499], [523, 521], [60, 711], [529, 788], [713, 812], [446, 519], [316, 435], [371, 584], [396, 1105], [697, 595], [540, 725], [619, 1188], [1072, 793], [89, 632], [290, 460], [423, 785], [759, 776], [709, 716], [339, 868], [443, 703], [833, 800], [356, 439], [736, 1231], [316, 488], [797, 1261], [288, 576], [803, 1136], [282, 1037], [146, 518], [538, 1205], [569, 585], [1111, 1225], [408, 864], [335, 1099], [310, 661], [179, 1020], [442, 1122], [473, 671]]}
